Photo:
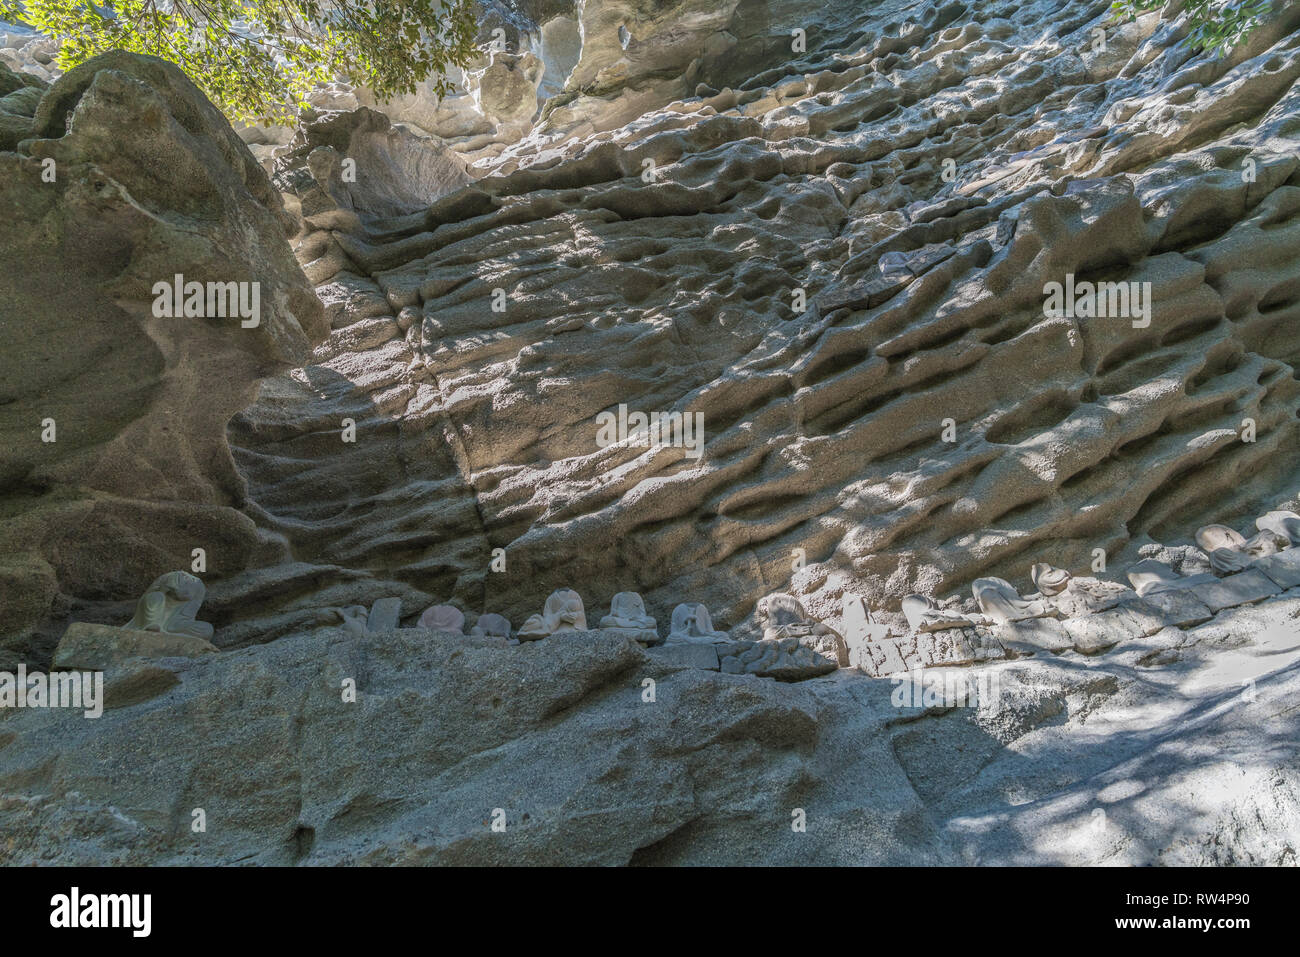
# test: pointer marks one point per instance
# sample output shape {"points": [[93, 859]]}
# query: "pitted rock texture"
{"points": [[114, 465], [922, 175]]}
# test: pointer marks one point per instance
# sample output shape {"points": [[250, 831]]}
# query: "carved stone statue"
{"points": [[1225, 546], [692, 624], [169, 606], [443, 618], [491, 625], [1284, 525], [999, 600], [923, 614], [563, 611], [627, 617], [1048, 580], [1150, 577], [1071, 597], [355, 619], [384, 615], [783, 616]]}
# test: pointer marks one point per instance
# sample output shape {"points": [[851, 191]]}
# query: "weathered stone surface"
{"points": [[1045, 634], [440, 736], [1179, 608], [823, 429], [948, 646], [785, 659], [1085, 596], [1242, 588], [1130, 619], [686, 655], [823, 442], [1283, 568], [151, 183], [102, 647]]}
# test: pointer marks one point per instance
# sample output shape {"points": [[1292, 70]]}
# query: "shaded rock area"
{"points": [[585, 748], [113, 457]]}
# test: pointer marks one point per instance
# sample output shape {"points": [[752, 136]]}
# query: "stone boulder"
{"points": [[114, 464]]}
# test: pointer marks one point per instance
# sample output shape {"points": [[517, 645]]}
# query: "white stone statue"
{"points": [[1282, 524], [692, 624], [443, 618], [563, 611], [924, 614], [1225, 546], [491, 625], [1150, 577], [1048, 580], [999, 600], [627, 616], [783, 616], [169, 606]]}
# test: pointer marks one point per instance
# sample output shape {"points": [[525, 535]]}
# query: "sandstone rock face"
{"points": [[843, 263], [114, 465]]}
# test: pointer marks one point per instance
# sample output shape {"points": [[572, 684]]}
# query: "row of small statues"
{"points": [[172, 602], [564, 611]]}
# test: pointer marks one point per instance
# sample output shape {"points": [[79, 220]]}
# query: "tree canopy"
{"points": [[1216, 25], [258, 59]]}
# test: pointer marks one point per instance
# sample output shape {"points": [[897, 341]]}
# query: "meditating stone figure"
{"points": [[443, 618], [1282, 524], [491, 625], [692, 624], [627, 617], [923, 614], [1230, 551], [563, 611], [1150, 577], [999, 600], [169, 606]]}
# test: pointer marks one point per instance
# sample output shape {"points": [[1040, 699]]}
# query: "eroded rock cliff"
{"points": [[842, 265], [113, 455]]}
